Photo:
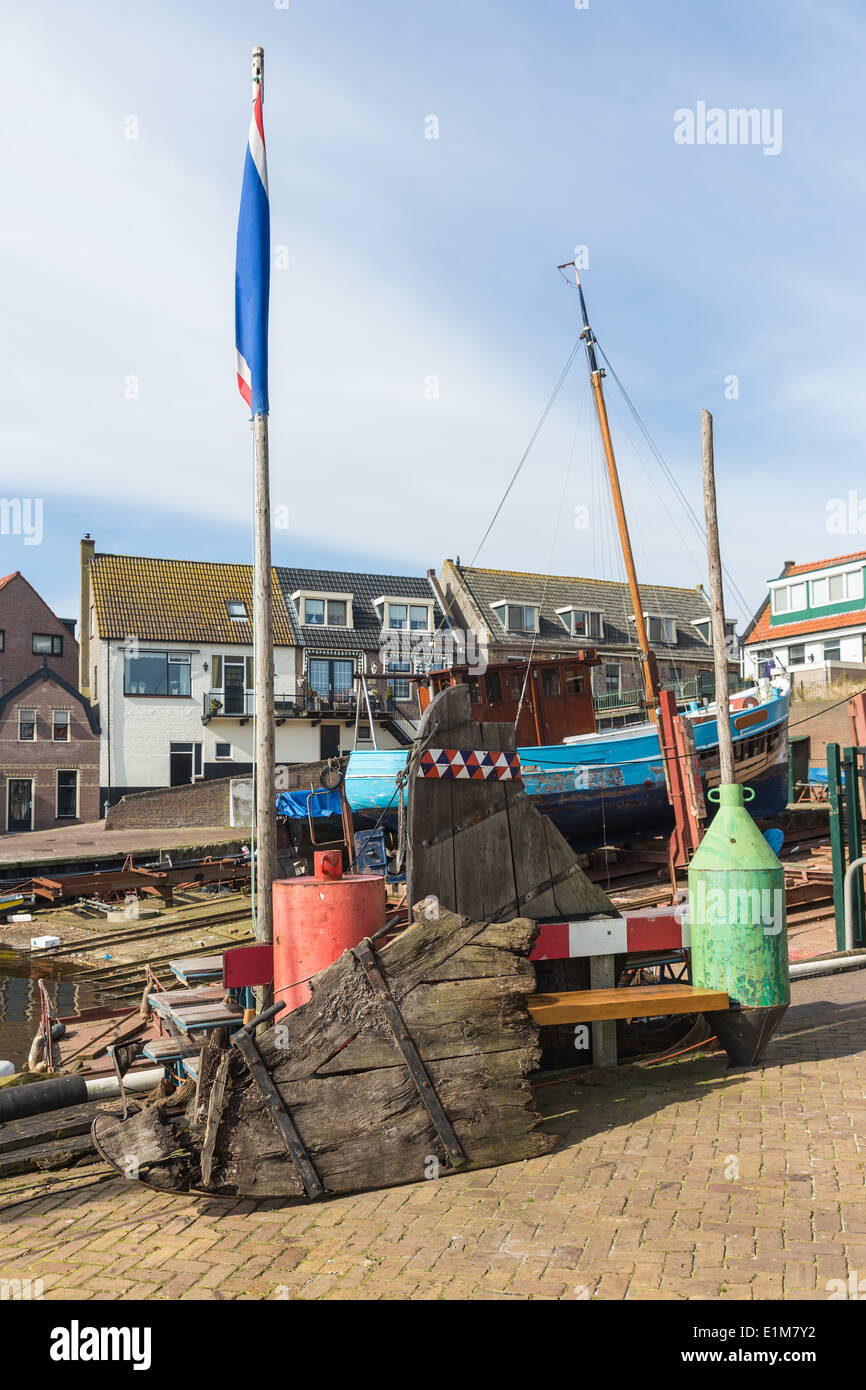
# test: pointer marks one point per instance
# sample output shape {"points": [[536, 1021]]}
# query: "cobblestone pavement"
{"points": [[681, 1180]]}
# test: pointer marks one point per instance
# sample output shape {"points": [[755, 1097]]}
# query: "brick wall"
{"points": [[23, 613], [41, 759], [200, 803], [825, 721]]}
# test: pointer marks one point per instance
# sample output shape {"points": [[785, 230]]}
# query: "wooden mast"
{"points": [[647, 657]]}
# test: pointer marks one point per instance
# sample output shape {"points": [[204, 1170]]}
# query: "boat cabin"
{"points": [[554, 700]]}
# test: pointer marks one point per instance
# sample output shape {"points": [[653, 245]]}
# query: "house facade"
{"points": [[49, 736], [167, 660], [812, 623], [31, 633], [513, 614]]}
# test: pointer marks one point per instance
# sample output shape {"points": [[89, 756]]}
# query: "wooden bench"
{"points": [[637, 1001]]}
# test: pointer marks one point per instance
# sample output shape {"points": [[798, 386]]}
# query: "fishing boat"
{"points": [[597, 786]]}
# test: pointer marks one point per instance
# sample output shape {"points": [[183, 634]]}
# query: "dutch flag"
{"points": [[252, 270]]}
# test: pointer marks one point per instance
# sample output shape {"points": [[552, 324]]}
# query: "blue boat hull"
{"points": [[606, 787]]}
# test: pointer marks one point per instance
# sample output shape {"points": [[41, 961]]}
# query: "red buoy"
{"points": [[317, 918]]}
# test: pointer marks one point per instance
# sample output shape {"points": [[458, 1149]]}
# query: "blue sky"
{"points": [[411, 258]]}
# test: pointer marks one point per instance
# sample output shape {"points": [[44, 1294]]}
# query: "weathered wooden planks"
{"points": [[481, 847], [460, 988]]}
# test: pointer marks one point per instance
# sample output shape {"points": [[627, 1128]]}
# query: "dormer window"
{"points": [[322, 609], [237, 610], [516, 617], [401, 614], [582, 622], [320, 612], [661, 629]]}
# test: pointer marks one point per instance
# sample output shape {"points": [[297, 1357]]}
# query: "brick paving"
{"points": [[676, 1181]]}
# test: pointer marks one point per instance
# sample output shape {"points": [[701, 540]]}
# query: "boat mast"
{"points": [[647, 658]]}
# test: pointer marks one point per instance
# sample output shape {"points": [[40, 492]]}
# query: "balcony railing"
{"points": [[219, 704]]}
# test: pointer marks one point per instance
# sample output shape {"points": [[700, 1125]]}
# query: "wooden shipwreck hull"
{"points": [[407, 1062]]}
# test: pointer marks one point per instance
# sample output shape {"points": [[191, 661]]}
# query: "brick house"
{"points": [[49, 754], [49, 736], [29, 632], [514, 613]]}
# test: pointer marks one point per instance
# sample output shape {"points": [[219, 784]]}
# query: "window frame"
{"points": [[54, 639], [223, 757], [34, 722], [663, 618], [67, 725], [66, 772], [171, 658], [242, 617]]}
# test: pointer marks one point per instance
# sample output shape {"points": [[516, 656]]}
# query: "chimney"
{"points": [[87, 547]]}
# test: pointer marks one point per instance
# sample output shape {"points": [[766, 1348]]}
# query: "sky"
{"points": [[418, 321]]}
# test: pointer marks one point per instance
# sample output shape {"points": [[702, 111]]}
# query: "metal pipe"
{"points": [[803, 969], [849, 901]]}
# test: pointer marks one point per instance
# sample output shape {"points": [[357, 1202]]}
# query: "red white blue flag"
{"points": [[252, 270]]}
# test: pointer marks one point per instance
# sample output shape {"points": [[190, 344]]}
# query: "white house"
{"points": [[813, 623], [167, 658]]}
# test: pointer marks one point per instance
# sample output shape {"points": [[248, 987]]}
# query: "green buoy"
{"points": [[739, 937]]}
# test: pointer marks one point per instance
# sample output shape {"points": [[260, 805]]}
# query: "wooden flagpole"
{"points": [[265, 807], [717, 603]]}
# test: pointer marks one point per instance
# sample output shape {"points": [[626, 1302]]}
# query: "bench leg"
{"points": [[601, 976]]}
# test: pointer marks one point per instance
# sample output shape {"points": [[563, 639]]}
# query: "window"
{"points": [[703, 626], [797, 655], [493, 686], [46, 645], [2, 640], [400, 688], [574, 685], [833, 650], [419, 617], [331, 681], [515, 684], [707, 683], [611, 678], [157, 673], [474, 690], [67, 795], [582, 622], [790, 599], [319, 611], [837, 588], [516, 617], [398, 614], [662, 630], [237, 611], [223, 750], [26, 725], [60, 725], [550, 681]]}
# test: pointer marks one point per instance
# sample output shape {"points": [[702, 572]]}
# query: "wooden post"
{"points": [[265, 809], [717, 604]]}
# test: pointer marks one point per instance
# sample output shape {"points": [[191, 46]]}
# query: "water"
{"points": [[19, 1000]]}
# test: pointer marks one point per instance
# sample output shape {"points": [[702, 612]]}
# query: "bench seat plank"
{"points": [[636, 1001]]}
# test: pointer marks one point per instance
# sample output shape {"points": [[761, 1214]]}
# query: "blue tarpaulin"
{"points": [[297, 805]]}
